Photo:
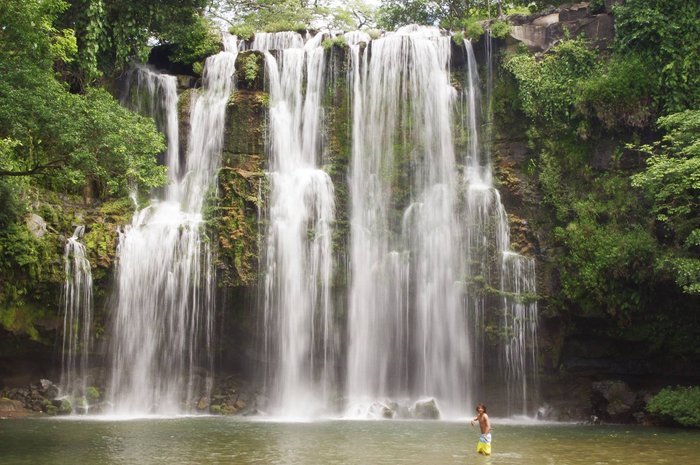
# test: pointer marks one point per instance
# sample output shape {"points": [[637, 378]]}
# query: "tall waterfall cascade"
{"points": [[433, 303], [77, 316], [432, 278], [163, 320], [426, 223], [300, 344]]}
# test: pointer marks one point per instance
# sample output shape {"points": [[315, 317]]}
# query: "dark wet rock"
{"points": [[613, 400], [203, 403], [48, 389]]}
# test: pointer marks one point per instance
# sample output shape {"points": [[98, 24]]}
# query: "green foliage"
{"points": [[194, 43], [251, 67], [112, 33], [473, 29], [619, 92], [606, 267], [672, 177], [295, 15], [270, 16], [665, 35], [458, 38], [92, 395], [31, 22], [395, 13], [671, 182], [82, 139], [681, 404], [548, 87], [243, 31], [335, 42], [12, 207], [499, 29]]}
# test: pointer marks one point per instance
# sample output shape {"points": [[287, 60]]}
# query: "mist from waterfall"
{"points": [[77, 316], [162, 329], [300, 344]]}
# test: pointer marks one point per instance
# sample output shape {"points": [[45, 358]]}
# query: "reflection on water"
{"points": [[219, 440]]}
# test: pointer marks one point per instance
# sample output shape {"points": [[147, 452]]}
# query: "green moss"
{"points": [[334, 42], [233, 223], [92, 394], [216, 410]]}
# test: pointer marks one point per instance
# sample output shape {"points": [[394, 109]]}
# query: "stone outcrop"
{"points": [[543, 30]]}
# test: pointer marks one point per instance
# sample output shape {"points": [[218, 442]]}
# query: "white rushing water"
{"points": [[162, 329], [432, 278], [299, 330], [77, 316], [426, 223]]}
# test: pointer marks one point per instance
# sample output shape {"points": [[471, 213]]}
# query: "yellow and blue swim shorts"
{"points": [[484, 444]]}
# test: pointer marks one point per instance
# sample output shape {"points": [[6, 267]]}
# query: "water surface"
{"points": [[221, 440]]}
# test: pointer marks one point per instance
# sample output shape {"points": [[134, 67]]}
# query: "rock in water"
{"points": [[427, 410]]}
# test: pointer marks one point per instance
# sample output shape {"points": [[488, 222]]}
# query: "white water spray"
{"points": [[299, 329], [163, 322], [77, 316]]}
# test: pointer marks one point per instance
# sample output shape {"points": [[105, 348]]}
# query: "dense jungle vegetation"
{"points": [[613, 137]]}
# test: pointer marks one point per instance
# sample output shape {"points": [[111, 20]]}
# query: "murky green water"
{"points": [[212, 440]]}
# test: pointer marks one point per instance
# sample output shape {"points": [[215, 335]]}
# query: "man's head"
{"points": [[481, 408]]}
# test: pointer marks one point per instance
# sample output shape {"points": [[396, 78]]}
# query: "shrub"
{"points": [[473, 29], [681, 404], [619, 93], [499, 29]]}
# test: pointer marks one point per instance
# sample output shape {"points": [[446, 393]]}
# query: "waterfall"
{"points": [[77, 316], [163, 320], [299, 329], [407, 331], [427, 226]]}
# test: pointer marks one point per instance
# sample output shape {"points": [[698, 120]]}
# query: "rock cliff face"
{"points": [[539, 32]]}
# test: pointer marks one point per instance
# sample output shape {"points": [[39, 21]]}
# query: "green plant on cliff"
{"points": [[251, 67], [664, 35], [616, 262], [619, 93], [672, 184], [681, 404], [548, 86], [499, 29]]}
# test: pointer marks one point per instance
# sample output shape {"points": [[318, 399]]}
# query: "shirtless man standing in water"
{"points": [[484, 444]]}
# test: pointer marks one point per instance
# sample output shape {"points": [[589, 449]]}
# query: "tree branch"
{"points": [[54, 164]]}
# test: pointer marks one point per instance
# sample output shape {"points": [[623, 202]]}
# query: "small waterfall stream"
{"points": [[77, 317]]}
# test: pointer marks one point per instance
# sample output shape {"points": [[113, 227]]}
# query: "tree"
{"points": [[44, 128], [112, 33], [247, 17], [671, 182]]}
